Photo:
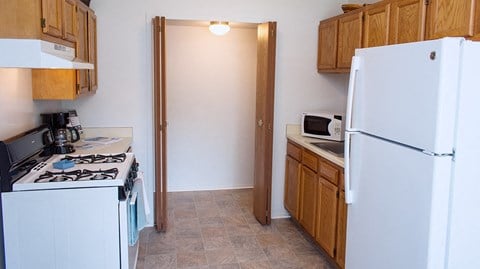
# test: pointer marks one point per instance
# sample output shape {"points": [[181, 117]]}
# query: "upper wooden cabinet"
{"points": [[376, 25], [50, 84], [327, 41], [338, 38], [51, 20], [407, 21], [394, 22], [349, 38], [450, 18]]}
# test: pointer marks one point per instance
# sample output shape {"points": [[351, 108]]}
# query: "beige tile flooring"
{"points": [[217, 229]]}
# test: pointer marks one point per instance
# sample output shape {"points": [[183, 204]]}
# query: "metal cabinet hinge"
{"points": [[43, 22], [427, 2], [78, 89]]}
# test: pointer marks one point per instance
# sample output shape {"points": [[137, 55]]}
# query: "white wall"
{"points": [[18, 112], [211, 108], [125, 64]]}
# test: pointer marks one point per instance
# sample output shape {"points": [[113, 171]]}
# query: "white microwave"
{"points": [[323, 125]]}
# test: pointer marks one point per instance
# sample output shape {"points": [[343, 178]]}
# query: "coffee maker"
{"points": [[63, 135]]}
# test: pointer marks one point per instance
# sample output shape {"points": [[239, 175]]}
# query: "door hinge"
{"points": [[338, 194], [427, 2], [78, 89], [43, 22]]}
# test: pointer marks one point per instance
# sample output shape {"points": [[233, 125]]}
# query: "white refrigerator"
{"points": [[412, 156]]}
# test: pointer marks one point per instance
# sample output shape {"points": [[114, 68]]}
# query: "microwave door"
{"points": [[317, 125]]}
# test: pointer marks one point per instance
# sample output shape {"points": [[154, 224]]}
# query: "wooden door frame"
{"points": [[160, 126]]}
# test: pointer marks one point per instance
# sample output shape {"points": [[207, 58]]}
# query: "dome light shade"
{"points": [[219, 27]]}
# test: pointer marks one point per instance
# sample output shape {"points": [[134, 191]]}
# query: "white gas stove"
{"points": [[66, 211], [87, 171]]}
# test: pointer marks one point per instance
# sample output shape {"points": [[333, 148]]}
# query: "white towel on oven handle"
{"points": [[143, 209]]}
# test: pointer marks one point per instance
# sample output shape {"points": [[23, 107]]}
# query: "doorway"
{"points": [[235, 105]]}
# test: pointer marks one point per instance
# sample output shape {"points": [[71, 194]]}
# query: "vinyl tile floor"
{"points": [[217, 229]]}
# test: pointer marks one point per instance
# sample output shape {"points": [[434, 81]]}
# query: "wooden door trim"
{"points": [[159, 88]]}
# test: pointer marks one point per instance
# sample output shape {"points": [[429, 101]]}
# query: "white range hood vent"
{"points": [[34, 53]]}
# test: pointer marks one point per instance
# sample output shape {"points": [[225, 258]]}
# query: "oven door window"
{"points": [[316, 125]]}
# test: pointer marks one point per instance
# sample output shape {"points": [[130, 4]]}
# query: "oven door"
{"points": [[128, 231]]}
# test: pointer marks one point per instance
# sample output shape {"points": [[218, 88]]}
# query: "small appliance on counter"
{"points": [[62, 135], [324, 125]]}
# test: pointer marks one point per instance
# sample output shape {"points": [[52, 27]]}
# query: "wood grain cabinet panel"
{"points": [[82, 48], [92, 51], [376, 25], [349, 38], [341, 240], [450, 18], [327, 216], [292, 186], [407, 21], [52, 17], [69, 20], [308, 199], [327, 45], [310, 160]]}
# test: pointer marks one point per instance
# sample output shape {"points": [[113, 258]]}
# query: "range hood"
{"points": [[34, 53]]}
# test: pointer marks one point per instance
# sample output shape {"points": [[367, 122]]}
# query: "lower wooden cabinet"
{"points": [[341, 240], [315, 197], [326, 227], [308, 199], [292, 185]]}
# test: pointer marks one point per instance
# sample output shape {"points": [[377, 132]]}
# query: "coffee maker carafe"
{"points": [[63, 135]]}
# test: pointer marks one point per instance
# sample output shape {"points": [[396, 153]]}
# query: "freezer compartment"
{"points": [[407, 93], [398, 216]]}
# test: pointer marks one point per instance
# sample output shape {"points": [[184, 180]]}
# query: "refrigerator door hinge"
{"points": [[43, 22]]}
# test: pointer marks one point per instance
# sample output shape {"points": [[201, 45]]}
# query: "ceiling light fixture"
{"points": [[219, 27]]}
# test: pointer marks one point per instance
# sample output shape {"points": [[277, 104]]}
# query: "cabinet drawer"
{"points": [[294, 151], [310, 160], [329, 172]]}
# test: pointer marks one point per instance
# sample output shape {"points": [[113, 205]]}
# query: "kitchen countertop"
{"points": [[293, 134], [123, 144]]}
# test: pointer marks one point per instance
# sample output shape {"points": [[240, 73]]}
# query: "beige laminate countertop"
{"points": [[293, 133], [122, 145]]}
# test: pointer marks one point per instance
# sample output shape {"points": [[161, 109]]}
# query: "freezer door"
{"points": [[398, 217], [406, 93]]}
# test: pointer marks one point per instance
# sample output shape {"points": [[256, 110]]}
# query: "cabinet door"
{"points": [[52, 17], [92, 50], [292, 186], [450, 18], [407, 21], [349, 38], [327, 45], [327, 216], [82, 48], [341, 230], [69, 20], [376, 25], [308, 199]]}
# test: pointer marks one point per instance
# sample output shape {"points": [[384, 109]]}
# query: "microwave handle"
{"points": [[351, 91]]}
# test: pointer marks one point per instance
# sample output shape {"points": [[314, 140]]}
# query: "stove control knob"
{"points": [[135, 166]]}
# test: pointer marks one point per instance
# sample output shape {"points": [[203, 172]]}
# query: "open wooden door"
{"points": [[160, 123], [266, 45]]}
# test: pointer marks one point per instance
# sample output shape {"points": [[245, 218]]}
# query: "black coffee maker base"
{"points": [[63, 149]]}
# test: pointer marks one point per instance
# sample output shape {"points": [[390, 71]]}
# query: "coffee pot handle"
{"points": [[75, 135]]}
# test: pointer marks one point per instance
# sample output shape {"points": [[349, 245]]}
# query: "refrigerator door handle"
{"points": [[351, 91], [348, 190]]}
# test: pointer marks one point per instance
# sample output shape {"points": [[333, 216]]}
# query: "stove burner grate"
{"points": [[58, 176], [100, 174], [116, 158], [99, 158]]}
